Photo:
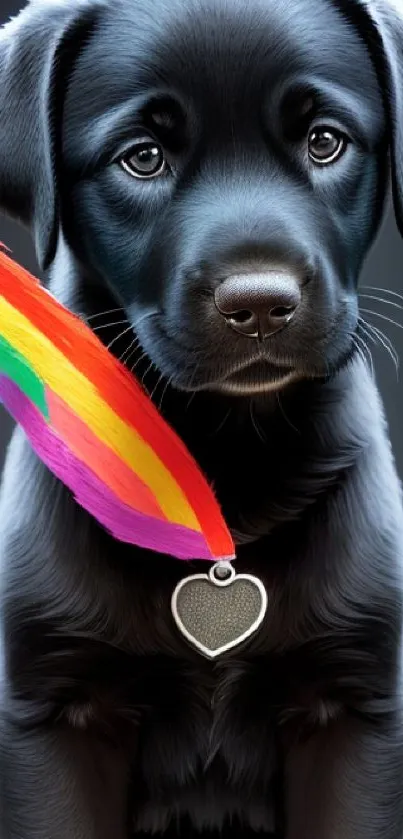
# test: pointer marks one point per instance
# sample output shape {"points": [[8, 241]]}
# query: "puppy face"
{"points": [[223, 164], [222, 171]]}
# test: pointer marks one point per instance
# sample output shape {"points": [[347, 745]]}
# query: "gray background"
{"points": [[384, 269]]}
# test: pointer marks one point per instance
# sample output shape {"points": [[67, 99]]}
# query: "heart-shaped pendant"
{"points": [[217, 611]]}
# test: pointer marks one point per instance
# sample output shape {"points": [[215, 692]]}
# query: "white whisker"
{"points": [[137, 362], [383, 290], [384, 317], [145, 374], [107, 312], [360, 353], [121, 334], [382, 300], [156, 386], [167, 383], [377, 336], [130, 349], [221, 424], [363, 348], [108, 325]]}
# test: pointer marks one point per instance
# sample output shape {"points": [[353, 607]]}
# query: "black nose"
{"points": [[258, 305]]}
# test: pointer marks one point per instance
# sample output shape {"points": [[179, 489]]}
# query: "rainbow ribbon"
{"points": [[95, 428]]}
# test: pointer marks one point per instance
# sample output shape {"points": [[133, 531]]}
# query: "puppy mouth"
{"points": [[192, 369], [245, 376], [258, 377]]}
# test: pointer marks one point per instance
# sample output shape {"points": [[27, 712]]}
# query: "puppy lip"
{"points": [[266, 371], [251, 389], [245, 375], [256, 377]]}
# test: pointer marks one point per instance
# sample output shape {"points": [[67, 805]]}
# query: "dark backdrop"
{"points": [[384, 270]]}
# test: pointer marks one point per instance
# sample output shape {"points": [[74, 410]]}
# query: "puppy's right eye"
{"points": [[325, 145], [145, 160]]}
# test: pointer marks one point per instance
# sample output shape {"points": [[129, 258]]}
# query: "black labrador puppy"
{"points": [[214, 171]]}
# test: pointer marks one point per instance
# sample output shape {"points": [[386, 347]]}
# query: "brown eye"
{"points": [[325, 145], [145, 160]]}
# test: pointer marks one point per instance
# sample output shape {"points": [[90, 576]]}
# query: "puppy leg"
{"points": [[347, 783], [60, 784]]}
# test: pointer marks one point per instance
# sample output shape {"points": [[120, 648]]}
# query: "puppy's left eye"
{"points": [[325, 145], [145, 160]]}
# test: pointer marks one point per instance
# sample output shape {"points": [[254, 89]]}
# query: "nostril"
{"points": [[243, 316], [282, 312]]}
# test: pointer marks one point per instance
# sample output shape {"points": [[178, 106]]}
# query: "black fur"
{"points": [[111, 726]]}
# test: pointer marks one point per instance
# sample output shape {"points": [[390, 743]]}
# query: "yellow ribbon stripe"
{"points": [[57, 372]]}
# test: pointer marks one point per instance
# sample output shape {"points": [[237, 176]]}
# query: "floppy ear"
{"points": [[37, 51], [380, 24]]}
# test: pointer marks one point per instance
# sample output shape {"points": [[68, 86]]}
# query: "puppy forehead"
{"points": [[214, 44]]}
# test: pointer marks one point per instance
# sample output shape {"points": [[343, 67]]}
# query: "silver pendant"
{"points": [[217, 611]]}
